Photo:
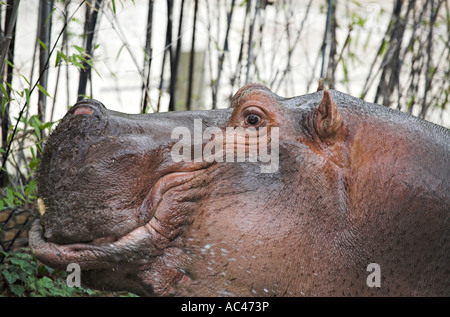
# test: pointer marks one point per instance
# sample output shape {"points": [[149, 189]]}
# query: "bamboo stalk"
{"points": [[10, 23], [45, 10], [429, 74], [326, 39], [222, 56], [167, 49], [238, 71], [191, 61], [90, 25], [148, 57], [175, 62], [250, 38], [64, 40], [332, 53]]}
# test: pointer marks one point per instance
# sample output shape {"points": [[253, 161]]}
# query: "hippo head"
{"points": [[140, 204]]}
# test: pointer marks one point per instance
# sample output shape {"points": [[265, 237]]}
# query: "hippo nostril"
{"points": [[89, 107], [84, 110]]}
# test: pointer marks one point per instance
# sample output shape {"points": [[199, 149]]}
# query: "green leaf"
{"points": [[58, 292], [43, 292], [4, 102], [10, 65], [79, 49], [120, 51], [74, 61], [50, 15], [10, 277], [43, 90], [23, 256], [344, 69], [31, 282], [46, 125], [26, 79], [114, 6], [18, 194], [42, 44], [17, 289], [33, 155], [9, 199], [64, 57], [45, 282], [4, 91], [384, 45], [58, 58], [24, 265], [27, 95]]}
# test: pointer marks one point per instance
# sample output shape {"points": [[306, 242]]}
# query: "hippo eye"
{"points": [[252, 119]]}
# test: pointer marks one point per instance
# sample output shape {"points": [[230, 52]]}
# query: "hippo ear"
{"points": [[328, 122]]}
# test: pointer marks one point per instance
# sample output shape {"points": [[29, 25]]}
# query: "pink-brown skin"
{"points": [[357, 183]]}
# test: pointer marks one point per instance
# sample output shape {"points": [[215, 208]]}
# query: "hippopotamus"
{"points": [[356, 201]]}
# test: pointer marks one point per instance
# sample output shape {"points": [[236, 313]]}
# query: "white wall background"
{"points": [[119, 58]]}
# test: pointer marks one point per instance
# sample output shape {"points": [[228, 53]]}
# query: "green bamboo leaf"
{"points": [[26, 80], [43, 90], [79, 49], [344, 69], [9, 64], [4, 102], [27, 96], [4, 91], [383, 47], [42, 44], [58, 58], [49, 16], [120, 51], [64, 57]]}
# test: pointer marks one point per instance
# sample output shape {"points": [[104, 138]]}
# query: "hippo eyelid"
{"points": [[253, 109]]}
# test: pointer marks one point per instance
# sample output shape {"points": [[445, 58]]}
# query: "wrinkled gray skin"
{"points": [[357, 183]]}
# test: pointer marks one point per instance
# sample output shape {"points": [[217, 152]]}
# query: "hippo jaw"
{"points": [[147, 249]]}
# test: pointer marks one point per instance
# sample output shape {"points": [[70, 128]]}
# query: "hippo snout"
{"points": [[87, 171]]}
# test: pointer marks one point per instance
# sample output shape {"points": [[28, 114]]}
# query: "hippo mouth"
{"points": [[163, 214]]}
